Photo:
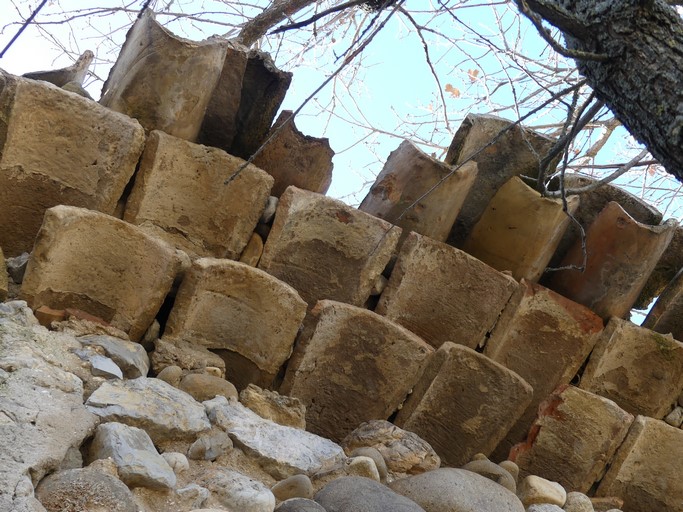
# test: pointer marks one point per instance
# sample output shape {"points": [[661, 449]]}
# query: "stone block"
{"points": [[293, 158], [464, 404], [326, 249], [545, 340], [106, 267], [164, 81], [646, 470], [641, 370], [58, 148], [502, 149], [351, 365], [185, 355], [573, 438], [179, 195], [253, 250], [620, 255], [519, 230], [419, 193], [443, 294], [223, 304], [666, 270], [665, 316]]}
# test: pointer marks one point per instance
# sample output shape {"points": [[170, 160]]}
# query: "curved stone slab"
{"points": [[666, 316]]}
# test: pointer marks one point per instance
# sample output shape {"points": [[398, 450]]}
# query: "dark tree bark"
{"points": [[642, 79]]}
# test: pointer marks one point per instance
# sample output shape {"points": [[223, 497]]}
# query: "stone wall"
{"points": [[432, 310]]}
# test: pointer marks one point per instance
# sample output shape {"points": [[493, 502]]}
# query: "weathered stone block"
{"points": [[646, 470], [293, 158], [666, 270], [229, 305], [464, 404], [326, 249], [501, 149], [519, 230], [620, 254], [351, 365], [545, 340], [665, 316], [185, 355], [443, 294], [179, 195], [106, 267], [419, 193], [641, 370], [573, 439], [58, 148], [164, 81]]}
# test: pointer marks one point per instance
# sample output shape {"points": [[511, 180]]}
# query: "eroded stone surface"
{"points": [[183, 354], [271, 405], [665, 316]]}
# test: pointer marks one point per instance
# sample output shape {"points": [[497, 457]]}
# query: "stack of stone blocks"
{"points": [[432, 309]]}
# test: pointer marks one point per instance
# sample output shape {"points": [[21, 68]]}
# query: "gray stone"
{"points": [[177, 461], [296, 486], [132, 450], [376, 456], [299, 505], [151, 404], [102, 366], [492, 471], [280, 450], [129, 356], [675, 417], [238, 492], [543, 507], [358, 494], [578, 502], [210, 445], [16, 267], [190, 497], [457, 490]]}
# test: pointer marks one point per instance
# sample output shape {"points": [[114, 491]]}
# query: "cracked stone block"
{"points": [[101, 265], [223, 304], [641, 370], [351, 365], [179, 195], [58, 148], [443, 294], [573, 438], [419, 193], [464, 404], [326, 249]]}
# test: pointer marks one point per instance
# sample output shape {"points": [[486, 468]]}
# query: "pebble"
{"points": [[534, 489], [373, 453], [492, 471], [210, 445], [675, 417], [297, 486], [578, 502], [177, 461], [202, 386], [171, 375]]}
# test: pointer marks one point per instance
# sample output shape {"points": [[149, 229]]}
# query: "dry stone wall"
{"points": [[176, 277]]}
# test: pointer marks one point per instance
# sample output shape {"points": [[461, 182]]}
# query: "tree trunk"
{"points": [[642, 81]]}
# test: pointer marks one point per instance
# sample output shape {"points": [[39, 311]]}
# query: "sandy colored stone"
{"points": [[545, 340], [621, 253], [179, 195], [223, 304], [86, 162], [665, 316], [183, 354], [641, 370], [87, 260], [242, 371], [458, 425], [253, 250], [351, 365], [271, 405], [443, 294], [501, 149], [534, 489], [645, 472], [573, 439], [404, 192], [667, 267], [519, 230], [201, 386], [293, 158], [326, 249], [162, 80]]}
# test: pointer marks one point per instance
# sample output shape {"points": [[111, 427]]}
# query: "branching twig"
{"points": [[23, 27]]}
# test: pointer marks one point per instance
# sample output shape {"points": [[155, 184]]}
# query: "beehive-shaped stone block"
{"points": [[666, 316], [443, 294], [545, 341], [223, 304], [502, 149], [639, 369], [351, 365], [620, 254], [419, 193], [293, 158], [464, 404], [326, 249], [573, 438], [164, 81], [519, 230], [646, 471], [180, 196], [58, 148], [101, 265]]}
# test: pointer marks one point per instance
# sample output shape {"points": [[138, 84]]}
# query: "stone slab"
{"points": [[665, 315], [443, 294], [180, 196], [668, 266], [464, 404], [106, 267], [224, 304], [326, 249], [350, 366]]}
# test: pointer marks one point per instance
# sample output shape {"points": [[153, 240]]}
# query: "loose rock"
{"points": [[358, 494], [537, 490], [202, 386], [297, 486], [238, 492]]}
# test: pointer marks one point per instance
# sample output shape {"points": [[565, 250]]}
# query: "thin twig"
{"points": [[22, 28]]}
